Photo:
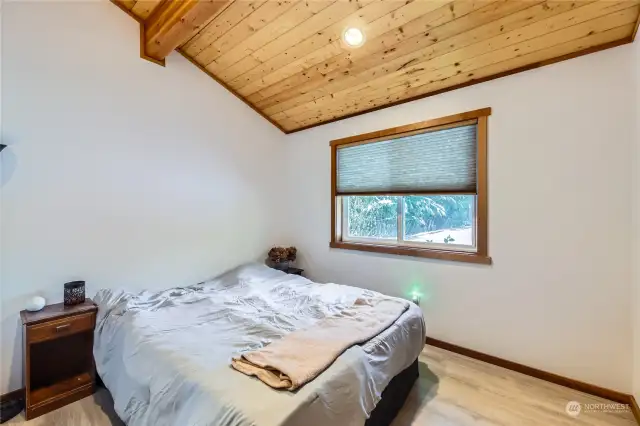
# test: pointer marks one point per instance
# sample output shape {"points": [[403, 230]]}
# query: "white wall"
{"points": [[558, 294], [119, 172]]}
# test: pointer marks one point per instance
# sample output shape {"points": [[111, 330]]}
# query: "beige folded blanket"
{"points": [[302, 355]]}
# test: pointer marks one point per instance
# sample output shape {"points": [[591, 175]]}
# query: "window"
{"points": [[418, 190]]}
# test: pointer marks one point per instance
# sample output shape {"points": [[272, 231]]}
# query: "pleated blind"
{"points": [[437, 161]]}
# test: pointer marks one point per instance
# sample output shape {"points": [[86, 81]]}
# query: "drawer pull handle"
{"points": [[62, 327]]}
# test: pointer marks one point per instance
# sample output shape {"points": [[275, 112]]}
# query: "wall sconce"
{"points": [[2, 147]]}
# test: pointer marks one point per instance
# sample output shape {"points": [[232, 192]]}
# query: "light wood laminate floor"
{"points": [[452, 391]]}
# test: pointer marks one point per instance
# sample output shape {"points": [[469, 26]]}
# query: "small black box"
{"points": [[74, 293]]}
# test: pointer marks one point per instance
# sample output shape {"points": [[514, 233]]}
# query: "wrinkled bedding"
{"points": [[165, 356]]}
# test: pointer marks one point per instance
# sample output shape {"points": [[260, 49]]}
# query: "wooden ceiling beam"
{"points": [[172, 23]]}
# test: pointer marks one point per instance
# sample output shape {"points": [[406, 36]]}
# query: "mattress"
{"points": [[165, 356]]}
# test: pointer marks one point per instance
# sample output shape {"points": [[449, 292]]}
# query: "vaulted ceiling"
{"points": [[287, 58]]}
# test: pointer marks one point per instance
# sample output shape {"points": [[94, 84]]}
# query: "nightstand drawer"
{"points": [[62, 327]]}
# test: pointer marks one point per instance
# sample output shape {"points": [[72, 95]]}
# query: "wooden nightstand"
{"points": [[58, 356]]}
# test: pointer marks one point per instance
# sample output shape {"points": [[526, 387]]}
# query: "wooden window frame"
{"points": [[481, 254]]}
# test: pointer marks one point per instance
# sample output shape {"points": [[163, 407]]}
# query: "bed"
{"points": [[164, 356]]}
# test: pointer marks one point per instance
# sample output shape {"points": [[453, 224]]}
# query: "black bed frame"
{"points": [[393, 397]]}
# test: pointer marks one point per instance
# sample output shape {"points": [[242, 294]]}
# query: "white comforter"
{"points": [[165, 356]]}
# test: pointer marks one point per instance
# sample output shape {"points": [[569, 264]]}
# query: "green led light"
{"points": [[415, 297], [418, 289]]}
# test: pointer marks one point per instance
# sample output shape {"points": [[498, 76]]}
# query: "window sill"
{"points": [[457, 256]]}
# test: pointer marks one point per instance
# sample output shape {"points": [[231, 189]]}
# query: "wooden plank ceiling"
{"points": [[287, 59]]}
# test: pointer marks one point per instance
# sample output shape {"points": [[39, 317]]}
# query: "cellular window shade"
{"points": [[438, 161]]}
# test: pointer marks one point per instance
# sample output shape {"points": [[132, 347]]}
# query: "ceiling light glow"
{"points": [[353, 37]]}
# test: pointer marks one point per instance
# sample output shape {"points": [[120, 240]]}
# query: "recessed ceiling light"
{"points": [[354, 37]]}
